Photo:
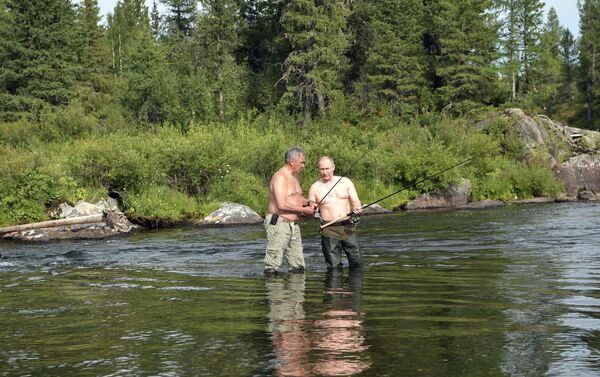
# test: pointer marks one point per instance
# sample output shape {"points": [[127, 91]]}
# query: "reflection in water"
{"points": [[331, 345], [287, 324], [340, 335]]}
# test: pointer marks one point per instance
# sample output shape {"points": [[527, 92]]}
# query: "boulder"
{"points": [[532, 133], [230, 214], [454, 196], [586, 196], [375, 209], [581, 173]]}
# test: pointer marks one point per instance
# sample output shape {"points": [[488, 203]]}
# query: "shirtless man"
{"points": [[341, 201], [286, 205]]}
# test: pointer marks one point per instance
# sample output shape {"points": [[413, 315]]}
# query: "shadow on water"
{"points": [[512, 291]]}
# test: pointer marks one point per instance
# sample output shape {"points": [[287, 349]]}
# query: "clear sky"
{"points": [[566, 10]]}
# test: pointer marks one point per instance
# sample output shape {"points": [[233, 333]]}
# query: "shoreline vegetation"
{"points": [[173, 113], [166, 177]]}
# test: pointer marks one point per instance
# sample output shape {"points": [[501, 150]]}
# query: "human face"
{"points": [[298, 165], [326, 169]]}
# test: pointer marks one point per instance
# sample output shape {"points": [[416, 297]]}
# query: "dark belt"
{"points": [[339, 223]]}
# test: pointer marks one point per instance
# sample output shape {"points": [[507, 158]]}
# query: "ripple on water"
{"points": [[581, 321], [183, 288]]}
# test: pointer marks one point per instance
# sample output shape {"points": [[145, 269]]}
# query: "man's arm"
{"points": [[312, 194], [280, 192], [353, 196]]}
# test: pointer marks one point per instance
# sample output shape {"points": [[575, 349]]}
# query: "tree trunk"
{"points": [[321, 101], [221, 95], [307, 100], [590, 88], [54, 223], [514, 86], [120, 54]]}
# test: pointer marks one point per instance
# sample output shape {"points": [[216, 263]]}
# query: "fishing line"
{"points": [[411, 186]]}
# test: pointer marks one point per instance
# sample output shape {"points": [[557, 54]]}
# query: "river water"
{"points": [[511, 291]]}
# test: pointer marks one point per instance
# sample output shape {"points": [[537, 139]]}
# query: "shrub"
{"points": [[240, 187], [157, 205]]}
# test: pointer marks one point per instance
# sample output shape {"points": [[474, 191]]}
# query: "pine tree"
{"points": [[94, 54], [396, 63], [589, 53], [467, 40], [548, 70], [361, 36], [180, 16], [216, 42], [510, 42], [8, 49], [155, 21], [40, 61], [568, 55], [531, 22], [264, 48], [148, 84], [126, 26], [316, 32]]}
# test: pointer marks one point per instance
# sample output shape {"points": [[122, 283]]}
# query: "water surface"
{"points": [[512, 291]]}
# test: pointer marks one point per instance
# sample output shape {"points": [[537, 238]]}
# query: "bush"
{"points": [[240, 187], [159, 206]]}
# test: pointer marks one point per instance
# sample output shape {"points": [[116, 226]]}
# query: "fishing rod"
{"points": [[410, 186], [345, 173]]}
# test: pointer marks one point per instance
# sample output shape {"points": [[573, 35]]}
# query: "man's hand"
{"points": [[308, 203], [357, 210]]}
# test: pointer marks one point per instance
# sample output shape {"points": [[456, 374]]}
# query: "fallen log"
{"points": [[54, 223]]}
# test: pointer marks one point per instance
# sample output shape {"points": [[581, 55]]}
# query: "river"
{"points": [[510, 291]]}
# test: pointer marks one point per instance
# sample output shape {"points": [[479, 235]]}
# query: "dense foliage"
{"points": [[172, 113]]}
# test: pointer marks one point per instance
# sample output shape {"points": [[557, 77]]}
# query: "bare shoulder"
{"points": [[278, 180], [315, 185], [346, 182]]}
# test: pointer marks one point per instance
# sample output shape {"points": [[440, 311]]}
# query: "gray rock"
{"points": [[539, 200], [532, 133], [562, 198], [581, 173], [232, 213], [86, 209], [455, 195], [586, 195], [375, 209], [66, 211]]}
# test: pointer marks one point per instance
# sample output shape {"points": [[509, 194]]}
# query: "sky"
{"points": [[568, 14]]}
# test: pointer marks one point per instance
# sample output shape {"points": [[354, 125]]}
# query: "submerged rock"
{"points": [[231, 214]]}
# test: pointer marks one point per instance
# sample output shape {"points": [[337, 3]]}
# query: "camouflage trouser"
{"points": [[338, 238], [283, 241]]}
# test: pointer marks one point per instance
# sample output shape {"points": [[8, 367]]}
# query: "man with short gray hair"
{"points": [[286, 205]]}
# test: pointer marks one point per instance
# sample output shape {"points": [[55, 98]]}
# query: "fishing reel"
{"points": [[354, 219]]}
